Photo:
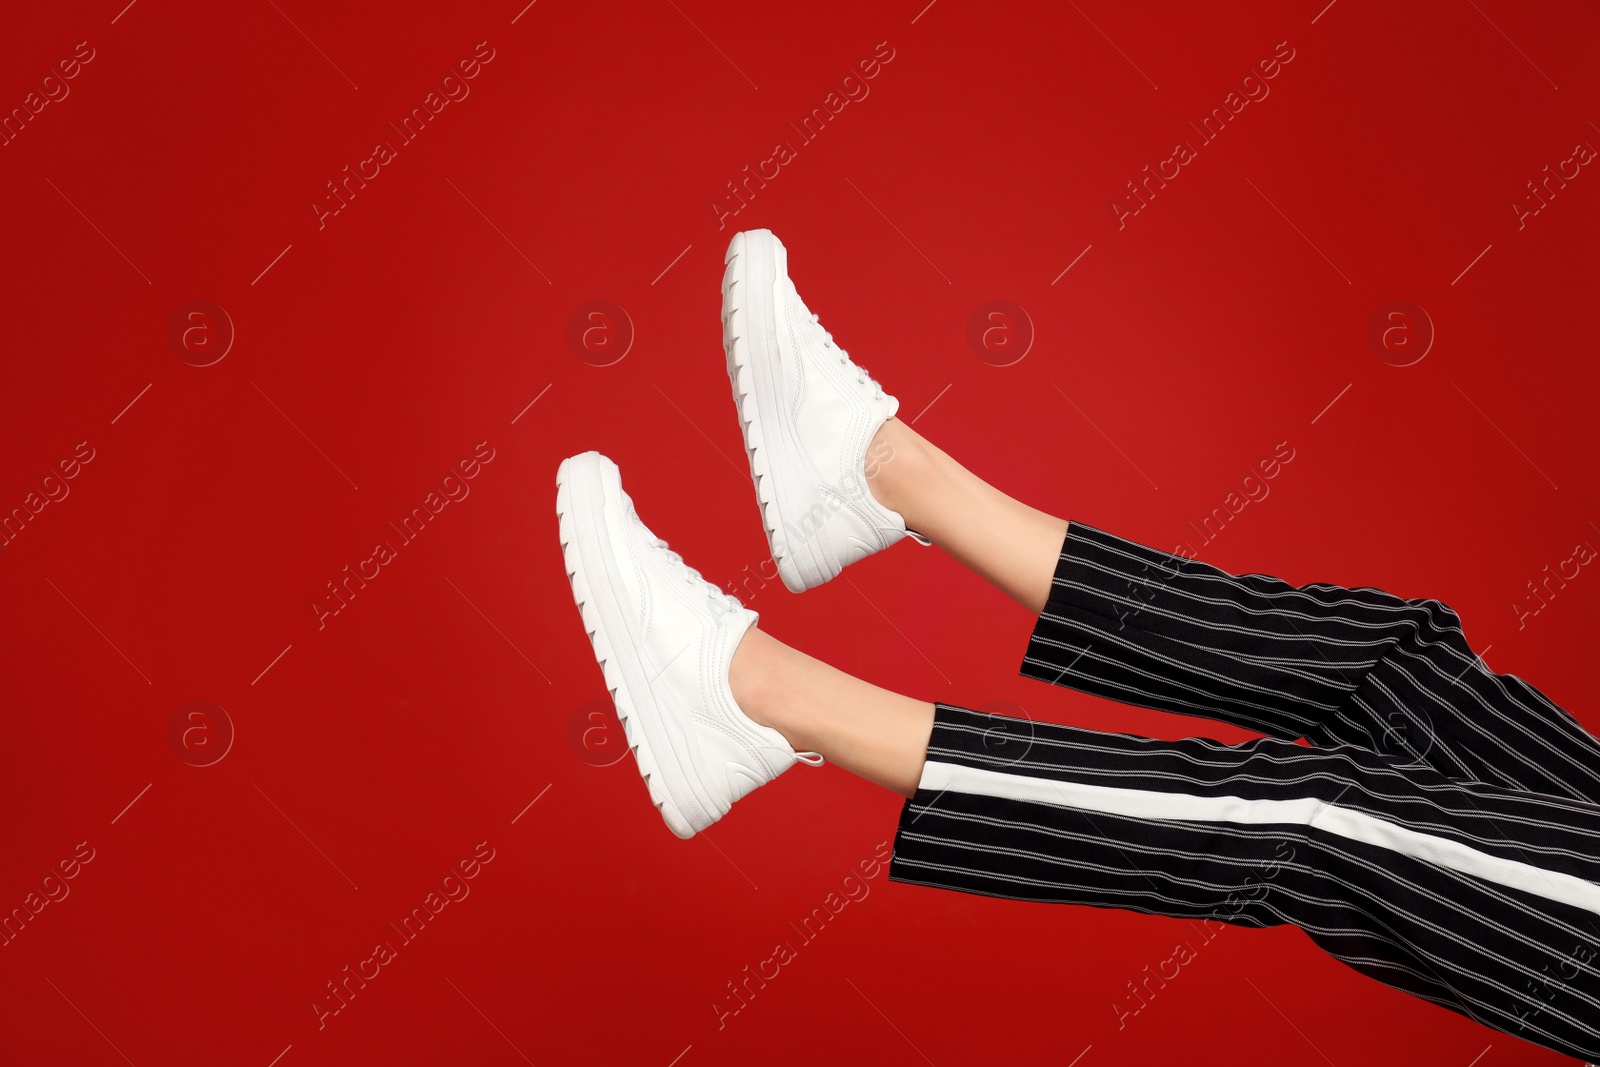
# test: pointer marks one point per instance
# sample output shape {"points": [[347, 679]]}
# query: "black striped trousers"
{"points": [[1441, 833]]}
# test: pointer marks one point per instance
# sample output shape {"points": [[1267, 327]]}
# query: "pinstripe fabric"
{"points": [[1334, 665], [1441, 835]]}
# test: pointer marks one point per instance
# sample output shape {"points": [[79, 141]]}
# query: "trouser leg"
{"points": [[1335, 665], [1397, 871]]}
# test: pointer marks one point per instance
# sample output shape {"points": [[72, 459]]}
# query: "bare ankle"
{"points": [[750, 675], [896, 462]]}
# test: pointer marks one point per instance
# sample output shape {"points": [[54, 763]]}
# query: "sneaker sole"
{"points": [[768, 444], [581, 484]]}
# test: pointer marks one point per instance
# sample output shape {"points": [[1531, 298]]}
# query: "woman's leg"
{"points": [[1335, 665], [1396, 871], [870, 732], [1004, 540]]}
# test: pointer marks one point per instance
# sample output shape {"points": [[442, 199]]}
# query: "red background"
{"points": [[374, 353]]}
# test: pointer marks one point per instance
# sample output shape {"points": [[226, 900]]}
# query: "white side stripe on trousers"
{"points": [[1329, 818]]}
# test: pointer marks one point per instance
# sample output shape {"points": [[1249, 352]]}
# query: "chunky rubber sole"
{"points": [[660, 749], [752, 268]]}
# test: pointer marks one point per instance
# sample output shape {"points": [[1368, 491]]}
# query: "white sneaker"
{"points": [[664, 637], [808, 415]]}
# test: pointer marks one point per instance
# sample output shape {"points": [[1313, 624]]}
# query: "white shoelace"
{"points": [[844, 360], [692, 576]]}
